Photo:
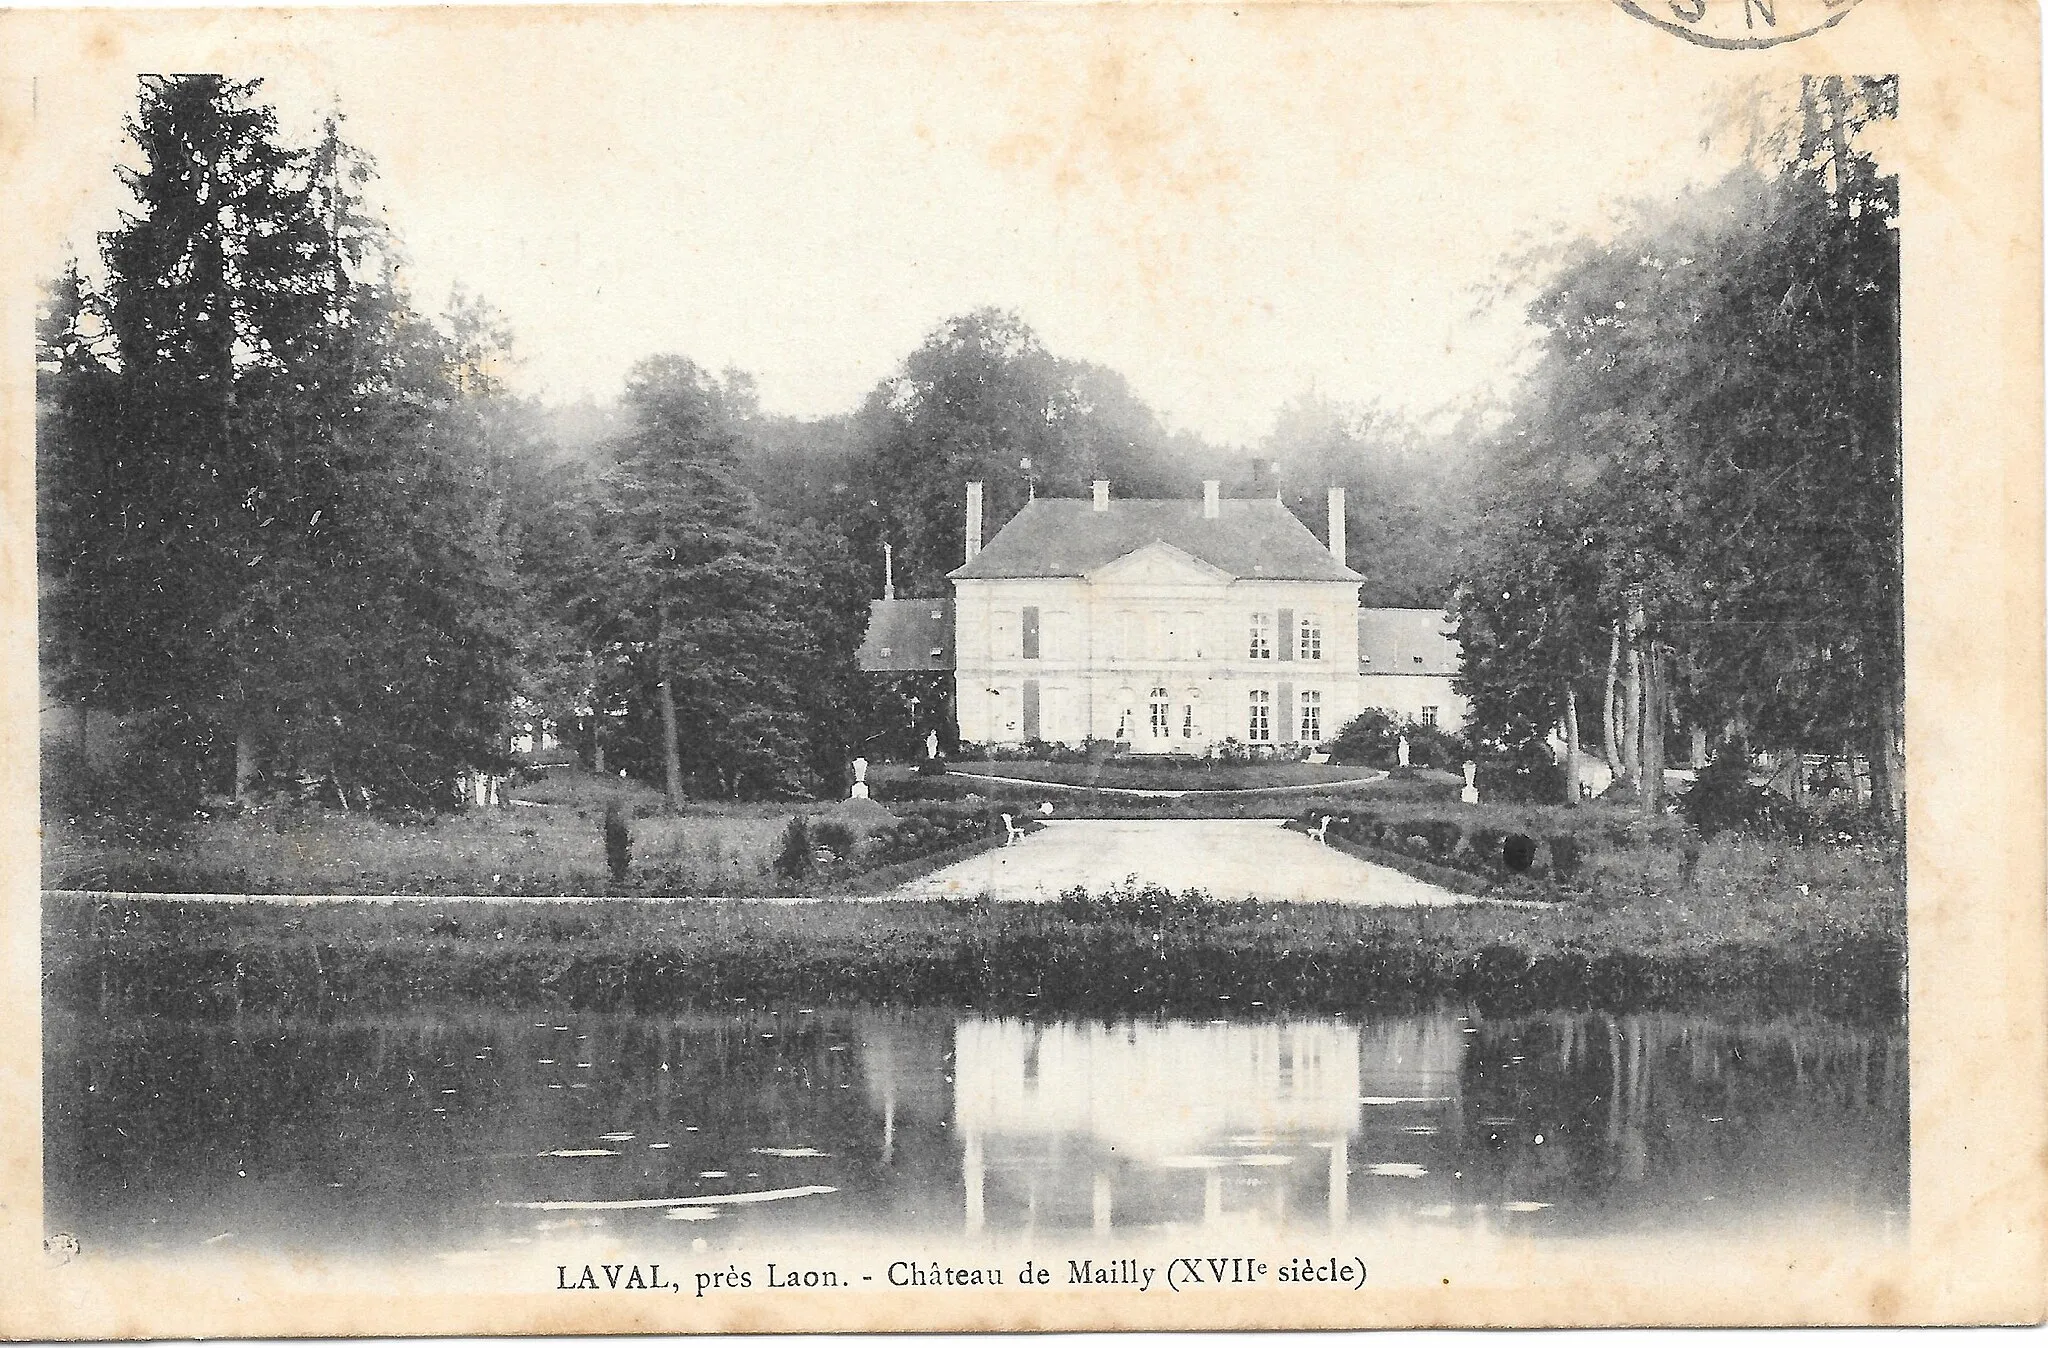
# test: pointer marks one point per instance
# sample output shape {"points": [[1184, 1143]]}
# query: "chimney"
{"points": [[888, 572], [1337, 525], [1212, 498], [973, 519], [1101, 494]]}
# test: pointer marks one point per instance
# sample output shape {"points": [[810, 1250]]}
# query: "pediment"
{"points": [[1159, 564]]}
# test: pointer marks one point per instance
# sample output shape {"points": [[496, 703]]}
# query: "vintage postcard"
{"points": [[1021, 667]]}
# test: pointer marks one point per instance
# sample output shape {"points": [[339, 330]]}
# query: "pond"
{"points": [[441, 1131]]}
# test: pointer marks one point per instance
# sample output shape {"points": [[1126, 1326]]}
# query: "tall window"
{"points": [[1126, 714], [1187, 715], [1311, 647], [1260, 730], [1262, 636], [1162, 714], [1429, 717], [1311, 716]]}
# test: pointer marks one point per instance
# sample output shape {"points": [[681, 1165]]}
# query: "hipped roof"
{"points": [[1251, 540]]}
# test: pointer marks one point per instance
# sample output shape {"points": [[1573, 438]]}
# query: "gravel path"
{"points": [[1230, 858]]}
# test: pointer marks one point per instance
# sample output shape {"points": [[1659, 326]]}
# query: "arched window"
{"points": [[1126, 714], [1162, 714], [1189, 727]]}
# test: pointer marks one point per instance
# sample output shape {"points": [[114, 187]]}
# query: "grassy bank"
{"points": [[1735, 947]]}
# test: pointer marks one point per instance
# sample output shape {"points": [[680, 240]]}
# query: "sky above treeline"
{"points": [[1227, 208]]}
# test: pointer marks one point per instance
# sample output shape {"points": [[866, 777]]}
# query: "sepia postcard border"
{"points": [[1969, 161]]}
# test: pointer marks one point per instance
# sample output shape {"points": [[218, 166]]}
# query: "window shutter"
{"points": [[1283, 715], [1031, 720], [1031, 633], [1286, 636]]}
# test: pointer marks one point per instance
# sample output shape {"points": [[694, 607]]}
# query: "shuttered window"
{"points": [[1286, 634], [1284, 711], [1031, 633]]}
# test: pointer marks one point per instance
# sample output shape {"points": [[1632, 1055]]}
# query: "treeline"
{"points": [[294, 531], [1692, 523]]}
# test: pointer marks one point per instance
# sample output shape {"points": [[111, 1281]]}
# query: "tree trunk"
{"points": [[245, 761], [1698, 751], [1609, 731], [595, 695], [1887, 762], [1571, 746], [1632, 712], [671, 749], [1652, 760]]}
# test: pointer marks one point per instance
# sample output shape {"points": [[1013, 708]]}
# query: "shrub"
{"points": [[1442, 835], [1518, 853], [1722, 800], [1485, 845], [793, 860], [1146, 906], [835, 834], [1565, 853], [1526, 773], [618, 841], [1367, 739]]}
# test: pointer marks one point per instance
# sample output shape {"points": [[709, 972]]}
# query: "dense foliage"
{"points": [[267, 527], [1695, 517]]}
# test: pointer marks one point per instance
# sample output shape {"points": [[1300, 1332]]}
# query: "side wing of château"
{"points": [[1169, 625]]}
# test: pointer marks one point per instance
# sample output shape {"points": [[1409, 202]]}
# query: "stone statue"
{"points": [[931, 744], [860, 779], [1401, 751], [1470, 795]]}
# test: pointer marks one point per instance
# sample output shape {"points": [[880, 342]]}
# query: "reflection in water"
{"points": [[491, 1131]]}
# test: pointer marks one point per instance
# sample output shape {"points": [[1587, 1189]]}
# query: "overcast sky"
{"points": [[1227, 208]]}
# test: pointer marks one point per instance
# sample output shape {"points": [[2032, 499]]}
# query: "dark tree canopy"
{"points": [[271, 546], [1711, 438]]}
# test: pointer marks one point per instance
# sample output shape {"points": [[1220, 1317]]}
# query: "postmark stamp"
{"points": [[1740, 25]]}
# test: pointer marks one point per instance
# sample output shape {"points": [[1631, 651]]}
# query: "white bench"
{"points": [[1011, 830], [1321, 830]]}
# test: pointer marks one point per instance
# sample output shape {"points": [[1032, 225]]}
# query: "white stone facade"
{"points": [[1157, 650]]}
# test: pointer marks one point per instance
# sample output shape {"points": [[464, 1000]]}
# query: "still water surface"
{"points": [[439, 1132]]}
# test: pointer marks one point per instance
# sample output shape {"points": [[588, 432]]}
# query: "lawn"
{"points": [[1167, 774], [550, 840]]}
